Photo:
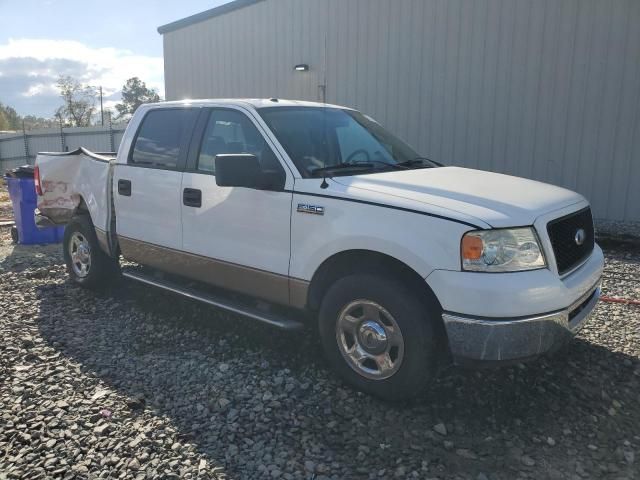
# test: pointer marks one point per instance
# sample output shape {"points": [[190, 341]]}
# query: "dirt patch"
{"points": [[6, 212]]}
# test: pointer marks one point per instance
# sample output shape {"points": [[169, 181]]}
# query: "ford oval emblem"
{"points": [[580, 237]]}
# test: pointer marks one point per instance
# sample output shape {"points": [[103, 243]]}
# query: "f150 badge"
{"points": [[307, 208]]}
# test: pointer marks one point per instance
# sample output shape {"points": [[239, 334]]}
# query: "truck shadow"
{"points": [[21, 257], [225, 381]]}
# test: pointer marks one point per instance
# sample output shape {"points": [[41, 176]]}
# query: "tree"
{"points": [[10, 120], [79, 101], [4, 122], [31, 122], [134, 94], [13, 119]]}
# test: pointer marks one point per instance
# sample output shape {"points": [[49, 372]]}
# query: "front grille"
{"points": [[562, 233]]}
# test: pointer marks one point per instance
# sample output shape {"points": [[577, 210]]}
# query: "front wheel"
{"points": [[379, 336], [87, 264]]}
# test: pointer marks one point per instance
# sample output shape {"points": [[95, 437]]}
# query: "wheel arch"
{"points": [[82, 208], [364, 261]]}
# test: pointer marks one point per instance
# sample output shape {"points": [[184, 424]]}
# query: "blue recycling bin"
{"points": [[22, 192]]}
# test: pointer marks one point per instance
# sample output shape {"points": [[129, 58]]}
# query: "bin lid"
{"points": [[24, 171]]}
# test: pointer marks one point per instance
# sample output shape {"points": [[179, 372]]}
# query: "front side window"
{"points": [[159, 138], [340, 141], [231, 131]]}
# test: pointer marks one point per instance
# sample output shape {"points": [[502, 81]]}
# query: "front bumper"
{"points": [[496, 340], [497, 317]]}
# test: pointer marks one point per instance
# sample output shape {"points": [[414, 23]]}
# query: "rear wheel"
{"points": [[379, 335], [87, 264]]}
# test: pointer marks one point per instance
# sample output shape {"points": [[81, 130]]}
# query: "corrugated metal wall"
{"points": [[17, 148], [548, 90]]}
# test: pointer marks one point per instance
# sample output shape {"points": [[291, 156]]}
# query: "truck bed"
{"points": [[75, 180]]}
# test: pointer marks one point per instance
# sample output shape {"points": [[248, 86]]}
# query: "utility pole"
{"points": [[62, 141], [101, 110], [112, 141]]}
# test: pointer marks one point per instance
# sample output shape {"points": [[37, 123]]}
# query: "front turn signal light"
{"points": [[471, 247]]}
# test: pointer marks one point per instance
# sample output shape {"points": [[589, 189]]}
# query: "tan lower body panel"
{"points": [[298, 290], [257, 283]]}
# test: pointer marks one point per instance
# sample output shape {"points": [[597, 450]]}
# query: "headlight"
{"points": [[502, 250]]}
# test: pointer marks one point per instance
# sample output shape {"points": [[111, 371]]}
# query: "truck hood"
{"points": [[496, 199]]}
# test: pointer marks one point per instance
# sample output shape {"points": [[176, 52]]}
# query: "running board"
{"points": [[270, 318]]}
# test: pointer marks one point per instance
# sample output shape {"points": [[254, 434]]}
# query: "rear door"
{"points": [[147, 193], [241, 235]]}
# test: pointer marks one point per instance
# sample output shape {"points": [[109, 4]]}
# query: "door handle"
{"points": [[192, 197], [124, 187]]}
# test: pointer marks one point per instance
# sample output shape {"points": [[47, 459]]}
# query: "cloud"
{"points": [[29, 70]]}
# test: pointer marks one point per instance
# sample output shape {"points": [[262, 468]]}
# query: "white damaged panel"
{"points": [[68, 180]]}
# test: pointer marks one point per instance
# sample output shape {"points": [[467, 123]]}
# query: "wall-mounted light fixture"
{"points": [[303, 67]]}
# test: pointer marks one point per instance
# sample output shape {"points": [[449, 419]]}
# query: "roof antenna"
{"points": [[324, 183]]}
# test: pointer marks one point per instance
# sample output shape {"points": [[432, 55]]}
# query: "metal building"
{"points": [[545, 89]]}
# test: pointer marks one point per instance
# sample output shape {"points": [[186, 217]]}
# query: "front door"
{"points": [[239, 237]]}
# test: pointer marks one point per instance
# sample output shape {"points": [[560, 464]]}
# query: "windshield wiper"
{"points": [[343, 166], [366, 165], [397, 166], [419, 161]]}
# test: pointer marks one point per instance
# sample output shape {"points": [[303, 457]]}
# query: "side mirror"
{"points": [[244, 170]]}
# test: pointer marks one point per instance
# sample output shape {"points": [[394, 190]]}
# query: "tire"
{"points": [[410, 359], [91, 267], [15, 238]]}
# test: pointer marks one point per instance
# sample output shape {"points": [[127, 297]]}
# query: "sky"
{"points": [[99, 43]]}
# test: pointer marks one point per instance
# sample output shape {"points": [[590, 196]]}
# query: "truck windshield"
{"points": [[333, 141]]}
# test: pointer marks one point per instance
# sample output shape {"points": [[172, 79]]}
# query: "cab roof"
{"points": [[253, 102]]}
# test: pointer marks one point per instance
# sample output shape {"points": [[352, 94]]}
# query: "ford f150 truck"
{"points": [[271, 208]]}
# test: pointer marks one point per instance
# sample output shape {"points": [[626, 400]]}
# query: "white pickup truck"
{"points": [[271, 208]]}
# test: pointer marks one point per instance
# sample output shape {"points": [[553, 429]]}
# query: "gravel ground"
{"points": [[136, 383]]}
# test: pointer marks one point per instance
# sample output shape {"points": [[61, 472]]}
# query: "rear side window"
{"points": [[160, 137]]}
